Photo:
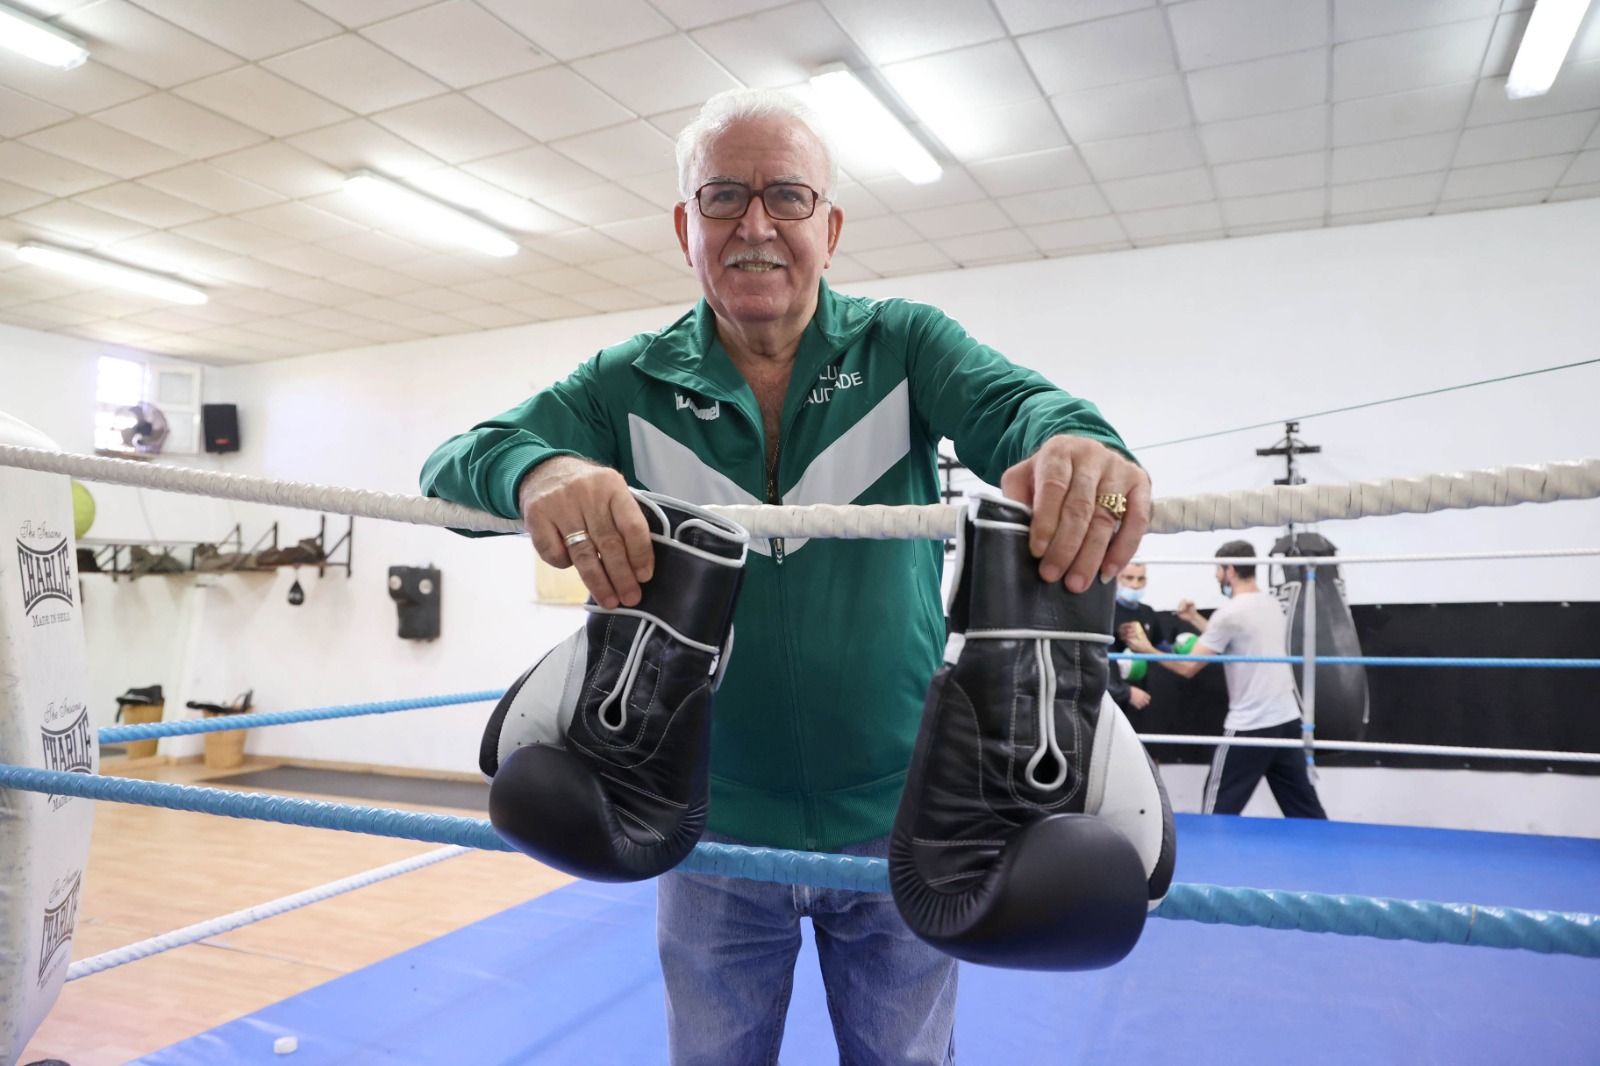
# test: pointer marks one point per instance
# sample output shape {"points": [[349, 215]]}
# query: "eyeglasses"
{"points": [[786, 201]]}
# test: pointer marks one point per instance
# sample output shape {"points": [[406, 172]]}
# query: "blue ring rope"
{"points": [[1364, 660], [1548, 932], [118, 734]]}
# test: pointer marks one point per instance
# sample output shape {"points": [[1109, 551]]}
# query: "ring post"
{"points": [[1308, 674], [44, 722]]}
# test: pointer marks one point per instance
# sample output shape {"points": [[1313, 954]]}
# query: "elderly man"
{"points": [[777, 389]]}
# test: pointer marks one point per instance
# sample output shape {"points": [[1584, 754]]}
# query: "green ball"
{"points": [[82, 510], [1184, 644]]}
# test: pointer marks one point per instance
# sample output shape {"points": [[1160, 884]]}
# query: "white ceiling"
{"points": [[210, 138]]}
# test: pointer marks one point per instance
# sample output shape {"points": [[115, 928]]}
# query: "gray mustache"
{"points": [[753, 256]]}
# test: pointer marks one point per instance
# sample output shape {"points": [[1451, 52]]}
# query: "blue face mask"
{"points": [[1130, 597], [1227, 590]]}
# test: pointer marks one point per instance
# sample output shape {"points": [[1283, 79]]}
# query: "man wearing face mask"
{"points": [[1133, 614], [1262, 700]]}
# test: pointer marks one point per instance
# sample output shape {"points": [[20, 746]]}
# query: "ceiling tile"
{"points": [[1284, 133], [886, 231], [598, 204], [565, 281], [536, 172], [130, 39], [354, 73], [453, 128], [378, 249], [320, 291], [1058, 237], [634, 75], [674, 122], [1031, 173], [550, 104], [1559, 134], [247, 271], [630, 270], [617, 299], [302, 223], [995, 132], [377, 281], [776, 48], [1393, 159], [355, 13], [1584, 169], [654, 234], [686, 291], [1148, 153], [579, 246], [1159, 190], [1490, 203], [551, 307], [46, 171], [1281, 83], [103, 147], [1408, 114], [212, 188], [234, 235], [15, 198], [1497, 178], [687, 14], [891, 30], [1421, 59], [1576, 89], [965, 80], [628, 150], [169, 253], [1149, 226], [360, 144], [659, 187], [1354, 19], [82, 89], [283, 169], [1028, 16], [492, 317], [459, 43], [1209, 33], [1284, 173], [1133, 107], [920, 258], [80, 224], [1385, 194], [254, 30], [1107, 52], [1574, 192], [568, 30], [1503, 43], [984, 249], [857, 203], [1306, 205], [262, 100], [898, 194], [491, 202], [21, 114], [982, 216], [152, 207], [185, 128], [1055, 205]]}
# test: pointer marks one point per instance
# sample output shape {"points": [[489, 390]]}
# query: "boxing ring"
{"points": [[1342, 999]]}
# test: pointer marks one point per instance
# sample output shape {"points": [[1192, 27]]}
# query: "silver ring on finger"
{"points": [[574, 539]]}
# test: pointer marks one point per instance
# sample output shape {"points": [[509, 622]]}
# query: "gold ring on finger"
{"points": [[1115, 502]]}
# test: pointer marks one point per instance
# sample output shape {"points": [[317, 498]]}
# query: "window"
{"points": [[172, 387]]}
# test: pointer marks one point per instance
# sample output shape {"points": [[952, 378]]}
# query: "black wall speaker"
{"points": [[220, 424]]}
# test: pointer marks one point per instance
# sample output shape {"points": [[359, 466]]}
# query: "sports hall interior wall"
{"points": [[1171, 342]]}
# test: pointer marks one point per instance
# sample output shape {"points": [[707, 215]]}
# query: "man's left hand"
{"points": [[1072, 534]]}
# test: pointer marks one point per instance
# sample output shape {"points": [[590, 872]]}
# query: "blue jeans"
{"points": [[728, 949]]}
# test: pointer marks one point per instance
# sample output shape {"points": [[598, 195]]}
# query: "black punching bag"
{"points": [[1342, 708]]}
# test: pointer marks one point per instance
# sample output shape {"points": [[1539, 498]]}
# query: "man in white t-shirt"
{"points": [[1262, 701]]}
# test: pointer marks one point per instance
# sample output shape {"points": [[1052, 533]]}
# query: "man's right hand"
{"points": [[1138, 697], [1187, 612], [568, 495]]}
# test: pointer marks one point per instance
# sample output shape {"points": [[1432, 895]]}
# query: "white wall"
{"points": [[1169, 341]]}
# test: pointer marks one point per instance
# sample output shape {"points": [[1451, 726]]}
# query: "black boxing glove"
{"points": [[598, 756], [1034, 832]]}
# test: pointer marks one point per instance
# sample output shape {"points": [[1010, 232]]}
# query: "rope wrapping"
{"points": [[1498, 487], [118, 734], [1550, 932]]}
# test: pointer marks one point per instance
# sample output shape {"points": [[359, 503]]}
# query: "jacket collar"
{"points": [[688, 352]]}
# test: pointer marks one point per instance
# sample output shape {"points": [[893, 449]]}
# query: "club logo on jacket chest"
{"points": [[833, 380]]}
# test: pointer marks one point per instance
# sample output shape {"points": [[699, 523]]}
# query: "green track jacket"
{"points": [[836, 640]]}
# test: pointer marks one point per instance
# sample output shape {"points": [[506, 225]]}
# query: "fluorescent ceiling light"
{"points": [[1544, 47], [436, 220], [855, 114], [105, 272], [39, 41]]}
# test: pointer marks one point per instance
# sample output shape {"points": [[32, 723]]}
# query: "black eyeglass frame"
{"points": [[752, 195]]}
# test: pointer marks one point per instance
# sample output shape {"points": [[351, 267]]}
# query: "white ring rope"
{"points": [[1375, 748], [1500, 487], [189, 934], [1341, 560]]}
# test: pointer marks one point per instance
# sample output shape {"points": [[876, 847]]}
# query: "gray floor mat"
{"points": [[467, 795]]}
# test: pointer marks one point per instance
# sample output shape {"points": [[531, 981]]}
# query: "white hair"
{"points": [[735, 105]]}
